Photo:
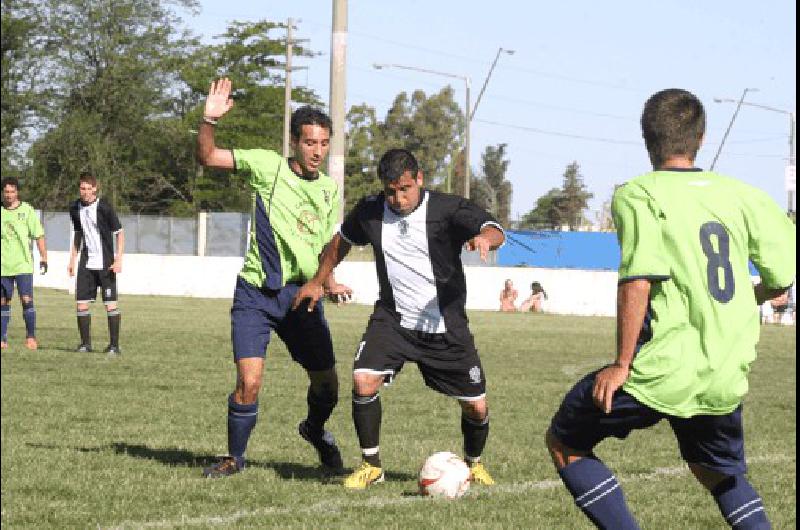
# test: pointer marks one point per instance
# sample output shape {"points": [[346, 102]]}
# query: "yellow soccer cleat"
{"points": [[365, 475], [480, 475]]}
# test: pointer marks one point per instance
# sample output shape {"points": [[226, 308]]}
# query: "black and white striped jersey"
{"points": [[418, 257]]}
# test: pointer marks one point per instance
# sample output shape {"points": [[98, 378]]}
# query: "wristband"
{"points": [[209, 121]]}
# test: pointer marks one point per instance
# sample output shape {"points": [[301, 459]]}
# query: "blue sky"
{"points": [[575, 86]]}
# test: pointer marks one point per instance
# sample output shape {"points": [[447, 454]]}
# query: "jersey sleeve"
{"points": [[35, 225], [111, 216], [259, 167], [637, 220], [352, 229], [468, 219], [772, 244], [74, 215]]}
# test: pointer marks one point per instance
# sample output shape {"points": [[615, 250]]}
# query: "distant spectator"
{"points": [[535, 302], [507, 297], [778, 310]]}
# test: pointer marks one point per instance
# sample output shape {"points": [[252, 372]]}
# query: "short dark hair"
{"points": [[308, 115], [88, 178], [395, 162], [673, 124], [10, 181]]}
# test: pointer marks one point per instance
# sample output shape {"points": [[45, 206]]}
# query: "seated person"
{"points": [[536, 300], [507, 297]]}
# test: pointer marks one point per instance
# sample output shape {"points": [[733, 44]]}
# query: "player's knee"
{"points": [[475, 409], [25, 299], [324, 382], [248, 388], [365, 384], [708, 478], [82, 308]]}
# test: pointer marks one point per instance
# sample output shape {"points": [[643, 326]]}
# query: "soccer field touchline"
{"points": [[335, 506]]}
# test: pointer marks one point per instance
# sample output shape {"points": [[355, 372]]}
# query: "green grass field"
{"points": [[89, 442]]}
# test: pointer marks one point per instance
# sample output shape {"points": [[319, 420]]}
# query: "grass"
{"points": [[89, 442]]}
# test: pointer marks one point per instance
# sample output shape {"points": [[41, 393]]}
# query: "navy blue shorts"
{"points": [[24, 285], [257, 312], [714, 442]]}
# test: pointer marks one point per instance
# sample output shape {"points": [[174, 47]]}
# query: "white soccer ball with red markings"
{"points": [[445, 475]]}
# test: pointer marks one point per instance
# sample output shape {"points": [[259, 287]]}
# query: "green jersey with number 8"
{"points": [[692, 233]]}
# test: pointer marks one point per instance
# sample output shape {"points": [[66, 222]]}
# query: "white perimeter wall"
{"points": [[570, 292]]}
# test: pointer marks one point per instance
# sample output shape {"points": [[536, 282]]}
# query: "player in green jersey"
{"points": [[20, 224], [295, 210], [687, 321]]}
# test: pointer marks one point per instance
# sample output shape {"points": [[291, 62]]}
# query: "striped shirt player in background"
{"points": [[417, 236], [687, 322], [295, 209], [20, 225], [97, 232]]}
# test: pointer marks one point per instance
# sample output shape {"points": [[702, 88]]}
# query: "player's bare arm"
{"points": [[632, 299], [764, 293], [490, 238], [335, 251], [218, 103], [42, 246], [77, 240], [116, 267]]}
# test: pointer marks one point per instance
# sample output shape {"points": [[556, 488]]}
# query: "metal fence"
{"points": [[208, 234]]}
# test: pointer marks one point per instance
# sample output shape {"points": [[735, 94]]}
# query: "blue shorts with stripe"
{"points": [[712, 441], [257, 312], [24, 285]]}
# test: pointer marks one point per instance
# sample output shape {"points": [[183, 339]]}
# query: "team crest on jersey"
{"points": [[403, 224], [308, 222], [475, 374], [21, 216]]}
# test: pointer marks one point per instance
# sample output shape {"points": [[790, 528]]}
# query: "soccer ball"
{"points": [[444, 474]]}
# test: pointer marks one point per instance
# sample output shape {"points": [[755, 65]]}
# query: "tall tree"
{"points": [[559, 207], [21, 79], [112, 66], [576, 196], [494, 168], [429, 127]]}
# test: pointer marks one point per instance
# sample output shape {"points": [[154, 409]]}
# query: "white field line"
{"points": [[336, 506]]}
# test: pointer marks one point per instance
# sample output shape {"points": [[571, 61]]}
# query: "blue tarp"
{"points": [[562, 250]]}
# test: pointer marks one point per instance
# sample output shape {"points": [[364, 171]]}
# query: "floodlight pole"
{"points": [[728, 130]]}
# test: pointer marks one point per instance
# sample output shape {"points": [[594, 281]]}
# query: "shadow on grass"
{"points": [[182, 457]]}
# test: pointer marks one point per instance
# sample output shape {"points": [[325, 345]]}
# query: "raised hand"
{"points": [[219, 99]]}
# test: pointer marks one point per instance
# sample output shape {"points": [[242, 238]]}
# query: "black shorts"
{"points": [[89, 280], [447, 366]]}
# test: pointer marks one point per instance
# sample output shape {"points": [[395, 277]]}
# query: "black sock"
{"points": [[85, 326], [29, 316], [475, 434], [367, 420], [113, 326], [320, 408]]}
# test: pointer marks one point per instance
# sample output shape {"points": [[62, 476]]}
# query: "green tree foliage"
{"points": [[110, 66], [252, 55], [561, 206], [21, 79], [429, 127], [494, 184]]}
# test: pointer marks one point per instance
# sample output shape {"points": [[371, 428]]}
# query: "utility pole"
{"points": [[337, 96], [287, 91], [467, 175]]}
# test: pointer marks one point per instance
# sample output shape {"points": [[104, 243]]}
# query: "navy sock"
{"points": [[740, 504], [367, 414], [598, 494], [29, 316], [241, 420], [5, 316], [320, 408], [475, 434]]}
